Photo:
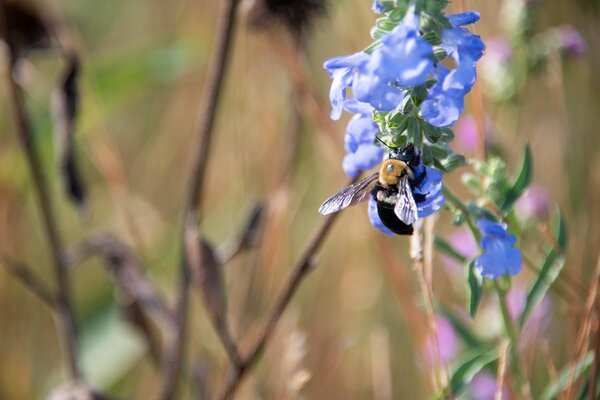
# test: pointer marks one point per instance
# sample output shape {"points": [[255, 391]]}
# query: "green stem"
{"points": [[456, 202]]}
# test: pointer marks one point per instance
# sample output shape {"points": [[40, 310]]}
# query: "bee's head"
{"points": [[391, 170], [409, 154]]}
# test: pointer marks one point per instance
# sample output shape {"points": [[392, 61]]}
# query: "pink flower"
{"points": [[483, 387], [498, 50], [571, 41], [534, 204], [462, 241], [537, 320], [447, 339]]}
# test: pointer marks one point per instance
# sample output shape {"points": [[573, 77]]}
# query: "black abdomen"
{"points": [[391, 221]]}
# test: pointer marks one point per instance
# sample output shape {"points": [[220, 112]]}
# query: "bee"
{"points": [[390, 187]]}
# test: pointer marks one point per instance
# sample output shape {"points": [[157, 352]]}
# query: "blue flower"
{"points": [[431, 188], [369, 88], [374, 218], [464, 18], [378, 7], [500, 256], [362, 154], [460, 44], [445, 100], [405, 58], [342, 70]]}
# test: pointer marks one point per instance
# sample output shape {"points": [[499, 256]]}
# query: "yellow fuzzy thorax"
{"points": [[390, 172]]}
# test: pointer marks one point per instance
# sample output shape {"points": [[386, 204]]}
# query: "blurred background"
{"points": [[356, 328]]}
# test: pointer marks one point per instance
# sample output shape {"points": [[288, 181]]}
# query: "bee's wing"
{"points": [[349, 196], [406, 208]]}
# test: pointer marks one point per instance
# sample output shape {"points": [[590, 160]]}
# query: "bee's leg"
{"points": [[419, 198]]}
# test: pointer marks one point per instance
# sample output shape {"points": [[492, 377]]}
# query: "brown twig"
{"points": [[24, 274], [63, 309], [585, 329], [126, 270], [504, 345], [419, 265], [246, 239], [204, 130], [596, 365], [297, 275], [140, 303]]}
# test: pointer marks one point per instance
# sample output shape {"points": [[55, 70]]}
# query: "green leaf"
{"points": [[446, 248], [463, 331], [399, 140], [549, 271], [414, 132], [552, 391], [439, 152], [432, 133], [473, 182], [399, 10], [369, 49], [466, 368], [475, 290], [437, 164], [585, 390], [110, 348], [453, 161], [427, 155], [521, 182]]}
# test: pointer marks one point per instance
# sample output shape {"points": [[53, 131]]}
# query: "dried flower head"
{"points": [[295, 15]]}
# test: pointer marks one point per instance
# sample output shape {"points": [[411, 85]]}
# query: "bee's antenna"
{"points": [[382, 142]]}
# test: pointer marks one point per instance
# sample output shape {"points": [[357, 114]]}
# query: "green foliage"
{"points": [[554, 389], [442, 245], [549, 271], [466, 368], [475, 289], [110, 347], [464, 332], [521, 182]]}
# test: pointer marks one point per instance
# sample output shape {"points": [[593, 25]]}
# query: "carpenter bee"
{"points": [[390, 187]]}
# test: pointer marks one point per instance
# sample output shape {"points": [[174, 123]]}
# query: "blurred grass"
{"points": [[143, 73]]}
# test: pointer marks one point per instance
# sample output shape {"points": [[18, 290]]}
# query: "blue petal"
{"points": [[465, 18], [405, 60], [405, 57], [356, 60], [342, 69], [514, 261], [369, 88], [349, 166], [354, 106], [431, 183], [500, 257], [442, 110], [490, 266], [342, 78], [377, 7], [374, 218], [431, 204], [460, 43], [460, 81], [488, 227], [361, 129], [364, 158], [431, 187]]}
